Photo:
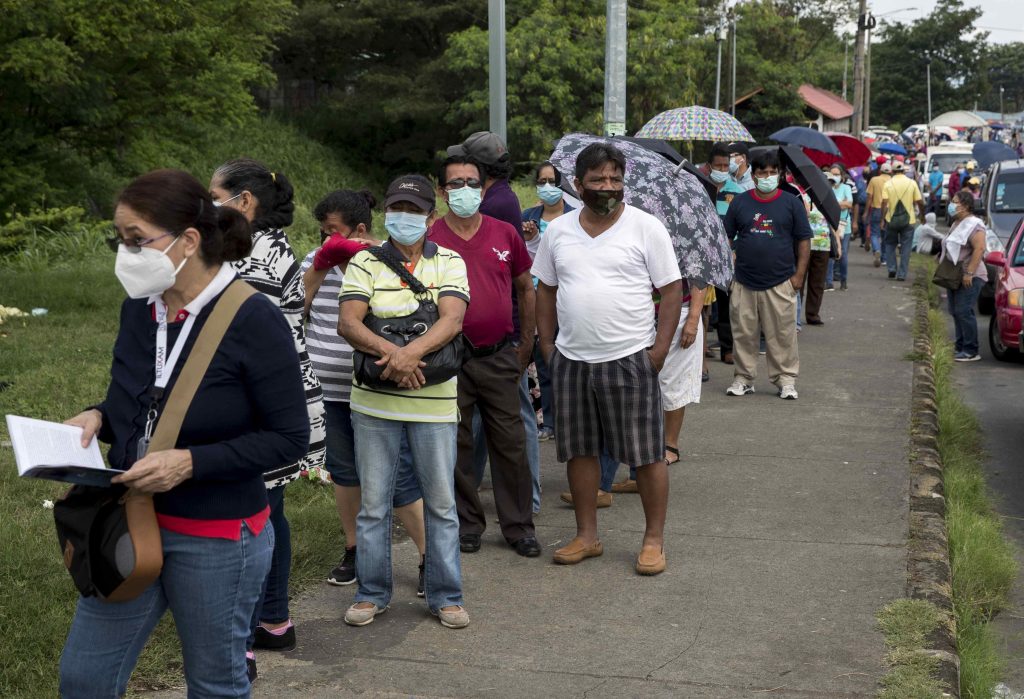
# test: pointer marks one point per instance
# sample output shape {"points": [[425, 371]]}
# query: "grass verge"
{"points": [[56, 365], [906, 624]]}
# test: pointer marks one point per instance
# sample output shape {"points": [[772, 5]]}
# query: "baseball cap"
{"points": [[484, 146], [880, 159], [739, 147], [974, 180], [415, 189], [971, 164], [886, 167], [897, 166]]}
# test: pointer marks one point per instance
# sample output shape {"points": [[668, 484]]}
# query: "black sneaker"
{"points": [[892, 275], [265, 640], [469, 543], [250, 667], [345, 572], [419, 582]]}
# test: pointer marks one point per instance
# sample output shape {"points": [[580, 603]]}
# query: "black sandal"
{"points": [[672, 450]]}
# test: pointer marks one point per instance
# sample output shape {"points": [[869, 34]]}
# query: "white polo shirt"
{"points": [[605, 309]]}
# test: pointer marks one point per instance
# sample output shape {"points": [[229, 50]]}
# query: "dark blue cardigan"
{"points": [[248, 416]]}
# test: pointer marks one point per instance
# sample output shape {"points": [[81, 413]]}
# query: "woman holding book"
{"points": [[174, 255]]}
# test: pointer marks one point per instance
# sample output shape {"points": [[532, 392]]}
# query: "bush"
{"points": [[22, 233]]}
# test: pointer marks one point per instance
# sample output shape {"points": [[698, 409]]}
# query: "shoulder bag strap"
{"points": [[398, 268], [169, 425]]}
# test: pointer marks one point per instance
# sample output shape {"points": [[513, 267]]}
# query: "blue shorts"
{"points": [[341, 456]]}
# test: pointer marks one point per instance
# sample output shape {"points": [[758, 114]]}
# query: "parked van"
{"points": [[947, 155]]}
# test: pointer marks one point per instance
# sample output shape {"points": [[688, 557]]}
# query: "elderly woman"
{"points": [[174, 255], [965, 243], [427, 415], [265, 199]]}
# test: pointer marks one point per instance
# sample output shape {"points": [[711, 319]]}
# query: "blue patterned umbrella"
{"points": [[675, 197]]}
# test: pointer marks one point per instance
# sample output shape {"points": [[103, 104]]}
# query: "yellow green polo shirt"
{"points": [[368, 279]]}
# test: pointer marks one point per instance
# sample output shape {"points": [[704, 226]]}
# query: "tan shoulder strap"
{"points": [[169, 424]]}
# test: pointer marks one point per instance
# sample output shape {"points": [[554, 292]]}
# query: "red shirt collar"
{"points": [[772, 197]]}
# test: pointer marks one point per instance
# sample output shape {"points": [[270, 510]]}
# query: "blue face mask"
{"points": [[734, 165], [767, 185], [549, 194], [718, 177], [405, 228], [464, 202], [951, 210]]}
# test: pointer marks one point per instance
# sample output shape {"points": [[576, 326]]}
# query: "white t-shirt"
{"points": [[605, 310]]}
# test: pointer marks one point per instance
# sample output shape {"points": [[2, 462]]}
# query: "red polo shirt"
{"points": [[494, 256]]}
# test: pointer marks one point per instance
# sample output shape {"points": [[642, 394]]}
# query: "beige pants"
{"points": [[774, 311]]}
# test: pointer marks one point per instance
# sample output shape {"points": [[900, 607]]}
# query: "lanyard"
{"points": [[163, 367]]}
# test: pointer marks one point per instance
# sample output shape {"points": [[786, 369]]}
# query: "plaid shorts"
{"points": [[612, 405]]}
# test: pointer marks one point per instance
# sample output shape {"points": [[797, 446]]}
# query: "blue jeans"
{"points": [[844, 266], [378, 443], [529, 416], [341, 457], [210, 586], [272, 605], [609, 467], [876, 232], [961, 307], [799, 309], [902, 237]]}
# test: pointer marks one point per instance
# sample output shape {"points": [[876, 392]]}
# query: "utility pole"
{"points": [[733, 83], [496, 67], [867, 71], [1002, 114], [928, 71], [719, 32], [846, 60], [858, 70], [615, 69]]}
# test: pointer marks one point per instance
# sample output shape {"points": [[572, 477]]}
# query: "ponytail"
{"points": [[273, 192]]}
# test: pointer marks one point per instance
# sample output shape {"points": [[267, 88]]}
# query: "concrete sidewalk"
{"points": [[787, 532]]}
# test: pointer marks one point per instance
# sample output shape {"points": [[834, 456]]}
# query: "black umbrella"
{"points": [[811, 178], [988, 152], [808, 138]]}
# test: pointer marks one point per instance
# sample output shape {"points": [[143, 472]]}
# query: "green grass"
{"points": [[982, 559], [57, 365], [906, 624]]}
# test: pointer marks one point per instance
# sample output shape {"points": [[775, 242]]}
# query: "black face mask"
{"points": [[602, 202]]}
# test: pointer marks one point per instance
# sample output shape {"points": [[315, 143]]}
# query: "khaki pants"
{"points": [[774, 311]]}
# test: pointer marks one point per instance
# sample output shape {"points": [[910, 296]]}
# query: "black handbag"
{"points": [[441, 364], [948, 275]]}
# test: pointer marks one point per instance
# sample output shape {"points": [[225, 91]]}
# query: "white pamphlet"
{"points": [[54, 451]]}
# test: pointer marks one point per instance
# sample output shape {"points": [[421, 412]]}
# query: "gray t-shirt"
{"points": [[330, 354]]}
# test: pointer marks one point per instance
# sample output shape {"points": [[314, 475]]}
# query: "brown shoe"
{"points": [[576, 551], [727, 358], [651, 560], [626, 486], [603, 499]]}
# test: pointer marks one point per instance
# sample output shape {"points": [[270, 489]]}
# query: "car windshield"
{"points": [[1009, 196], [947, 161], [1018, 258]]}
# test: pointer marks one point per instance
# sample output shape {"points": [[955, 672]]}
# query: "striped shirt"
{"points": [[368, 279], [330, 354]]}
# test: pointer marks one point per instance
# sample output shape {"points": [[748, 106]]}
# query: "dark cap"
{"points": [[483, 146], [739, 147], [415, 189]]}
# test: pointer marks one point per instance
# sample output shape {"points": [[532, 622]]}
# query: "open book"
{"points": [[54, 451]]}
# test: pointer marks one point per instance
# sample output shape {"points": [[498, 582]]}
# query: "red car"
{"points": [[1005, 332]]}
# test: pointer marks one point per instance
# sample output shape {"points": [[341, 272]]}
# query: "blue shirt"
{"points": [[935, 183], [844, 193], [765, 235], [726, 194]]}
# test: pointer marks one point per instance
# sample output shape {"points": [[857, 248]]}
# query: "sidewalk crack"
{"points": [[703, 619]]}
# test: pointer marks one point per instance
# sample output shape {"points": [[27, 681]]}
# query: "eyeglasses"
{"points": [[547, 180], [460, 183], [133, 244]]}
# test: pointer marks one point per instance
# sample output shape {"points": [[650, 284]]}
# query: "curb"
{"points": [[929, 574]]}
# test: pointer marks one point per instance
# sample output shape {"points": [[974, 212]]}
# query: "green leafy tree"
{"points": [[90, 91], [1002, 66], [899, 89]]}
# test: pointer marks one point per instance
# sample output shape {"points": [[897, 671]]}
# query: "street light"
{"points": [[1001, 91], [867, 62], [928, 70]]}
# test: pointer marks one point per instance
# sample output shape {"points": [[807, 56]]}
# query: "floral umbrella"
{"points": [[675, 197], [695, 124]]}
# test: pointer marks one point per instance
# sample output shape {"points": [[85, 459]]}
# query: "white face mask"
{"points": [[146, 272]]}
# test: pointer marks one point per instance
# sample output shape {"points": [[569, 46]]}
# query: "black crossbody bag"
{"points": [[441, 364]]}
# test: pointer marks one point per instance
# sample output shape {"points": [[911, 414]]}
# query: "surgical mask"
{"points": [[734, 165], [542, 226], [767, 185], [834, 179], [718, 177], [951, 210], [464, 202], [405, 228], [146, 272], [549, 194], [602, 202]]}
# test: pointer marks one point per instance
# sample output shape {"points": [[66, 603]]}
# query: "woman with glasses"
{"points": [[264, 198], [248, 416]]}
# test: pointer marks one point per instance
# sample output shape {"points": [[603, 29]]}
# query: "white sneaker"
{"points": [[788, 392], [738, 388], [361, 617]]}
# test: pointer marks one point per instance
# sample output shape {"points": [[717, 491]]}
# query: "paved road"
{"points": [[994, 390], [787, 532]]}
